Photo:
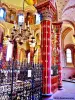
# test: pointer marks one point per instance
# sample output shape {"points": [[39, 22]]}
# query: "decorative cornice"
{"points": [[45, 4], [46, 9], [56, 27], [46, 14], [57, 23]]}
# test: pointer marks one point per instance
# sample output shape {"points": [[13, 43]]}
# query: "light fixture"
{"points": [[21, 32]]}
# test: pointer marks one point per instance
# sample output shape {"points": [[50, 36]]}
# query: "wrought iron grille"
{"points": [[15, 84]]}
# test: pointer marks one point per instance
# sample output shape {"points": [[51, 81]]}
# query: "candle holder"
{"points": [[20, 33]]}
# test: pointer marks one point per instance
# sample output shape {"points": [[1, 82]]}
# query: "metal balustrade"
{"points": [[15, 84]]}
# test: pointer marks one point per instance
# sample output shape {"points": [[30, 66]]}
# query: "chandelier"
{"points": [[22, 32]]}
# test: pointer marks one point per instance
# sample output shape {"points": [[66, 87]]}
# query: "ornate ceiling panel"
{"points": [[69, 5], [66, 13], [60, 6], [69, 11]]}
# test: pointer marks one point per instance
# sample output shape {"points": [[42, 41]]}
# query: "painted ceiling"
{"points": [[66, 9], [66, 13]]}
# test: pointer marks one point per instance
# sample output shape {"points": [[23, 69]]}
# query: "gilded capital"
{"points": [[46, 14]]}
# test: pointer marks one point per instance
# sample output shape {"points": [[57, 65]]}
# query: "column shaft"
{"points": [[57, 31], [46, 55]]}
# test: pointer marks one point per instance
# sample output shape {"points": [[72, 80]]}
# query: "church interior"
{"points": [[37, 49]]}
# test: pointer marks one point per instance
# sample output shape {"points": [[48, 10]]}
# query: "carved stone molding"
{"points": [[56, 27], [46, 9], [46, 14]]}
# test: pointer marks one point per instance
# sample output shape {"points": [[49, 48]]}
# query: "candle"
{"points": [[15, 24]]}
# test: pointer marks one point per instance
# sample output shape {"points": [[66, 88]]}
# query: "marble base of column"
{"points": [[47, 97], [60, 87]]}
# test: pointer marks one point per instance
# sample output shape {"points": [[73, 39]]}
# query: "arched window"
{"points": [[38, 18], [68, 56], [2, 14], [20, 19]]}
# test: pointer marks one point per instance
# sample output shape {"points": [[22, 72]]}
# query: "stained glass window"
{"points": [[2, 14], [38, 18], [20, 19], [69, 56]]}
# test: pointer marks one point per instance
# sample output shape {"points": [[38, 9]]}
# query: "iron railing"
{"points": [[16, 84]]}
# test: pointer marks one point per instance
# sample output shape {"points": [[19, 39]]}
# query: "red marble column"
{"points": [[46, 10], [46, 55], [57, 31], [46, 51]]}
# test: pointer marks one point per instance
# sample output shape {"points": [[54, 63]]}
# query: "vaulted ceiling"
{"points": [[66, 13], [66, 10]]}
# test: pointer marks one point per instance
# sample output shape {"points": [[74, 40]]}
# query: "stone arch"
{"points": [[71, 23], [72, 48], [65, 32], [5, 6]]}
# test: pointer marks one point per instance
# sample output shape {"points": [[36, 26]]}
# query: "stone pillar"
{"points": [[46, 9], [57, 30], [46, 51], [46, 55]]}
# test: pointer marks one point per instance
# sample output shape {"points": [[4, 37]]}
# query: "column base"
{"points": [[47, 97], [60, 87]]}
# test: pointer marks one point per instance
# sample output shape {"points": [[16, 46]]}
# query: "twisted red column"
{"points": [[57, 30], [46, 55]]}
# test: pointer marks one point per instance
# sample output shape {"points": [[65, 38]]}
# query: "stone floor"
{"points": [[68, 92]]}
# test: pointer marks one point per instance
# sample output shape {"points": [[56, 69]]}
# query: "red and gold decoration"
{"points": [[46, 9], [57, 31], [46, 55]]}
